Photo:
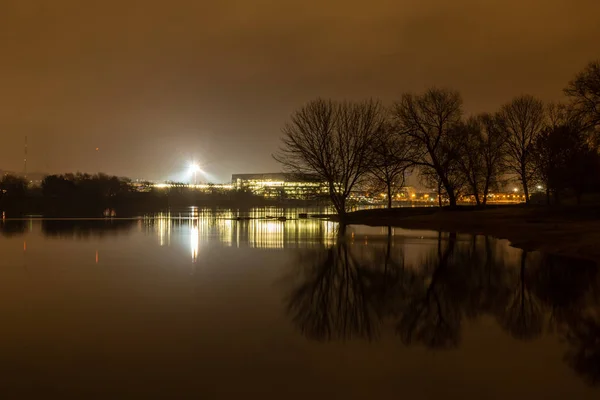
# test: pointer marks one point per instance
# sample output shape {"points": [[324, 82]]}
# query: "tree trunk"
{"points": [[339, 202], [475, 191], [525, 189], [547, 195], [450, 191], [486, 190], [451, 198], [439, 191], [342, 211], [389, 195]]}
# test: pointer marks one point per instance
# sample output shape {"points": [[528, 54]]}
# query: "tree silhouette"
{"points": [[522, 120], [428, 124], [12, 186], [391, 156], [564, 160], [584, 92], [334, 141], [482, 155]]}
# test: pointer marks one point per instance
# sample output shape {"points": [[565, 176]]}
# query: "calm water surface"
{"points": [[210, 307]]}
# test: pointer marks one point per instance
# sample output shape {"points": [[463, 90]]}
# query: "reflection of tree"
{"points": [[346, 295], [566, 286], [583, 354], [12, 228], [430, 317], [485, 276], [86, 228], [333, 301], [522, 317], [561, 283], [389, 283]]}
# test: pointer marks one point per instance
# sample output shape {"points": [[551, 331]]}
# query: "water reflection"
{"points": [[349, 290], [333, 299], [10, 228], [474, 300], [194, 243], [86, 228], [257, 228]]}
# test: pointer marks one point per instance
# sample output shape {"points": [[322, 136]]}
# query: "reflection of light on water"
{"points": [[194, 242], [226, 230], [259, 228], [96, 256], [164, 228], [292, 233], [267, 234]]}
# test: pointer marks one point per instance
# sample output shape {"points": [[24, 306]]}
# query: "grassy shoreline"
{"points": [[570, 231]]}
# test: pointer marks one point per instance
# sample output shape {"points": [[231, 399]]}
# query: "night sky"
{"points": [[155, 84]]}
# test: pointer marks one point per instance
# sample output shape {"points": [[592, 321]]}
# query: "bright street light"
{"points": [[194, 169], [515, 190]]}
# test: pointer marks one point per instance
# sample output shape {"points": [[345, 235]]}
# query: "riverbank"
{"points": [[570, 231]]}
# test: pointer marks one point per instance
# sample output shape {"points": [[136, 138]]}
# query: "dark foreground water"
{"points": [[217, 308]]}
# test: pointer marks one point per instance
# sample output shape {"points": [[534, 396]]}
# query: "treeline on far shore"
{"points": [[86, 195]]}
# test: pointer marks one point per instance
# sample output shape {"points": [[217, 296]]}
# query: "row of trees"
{"points": [[85, 185], [348, 143], [68, 185]]}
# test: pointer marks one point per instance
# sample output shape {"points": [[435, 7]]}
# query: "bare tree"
{"points": [[428, 122], [334, 141], [482, 154], [493, 148], [470, 162], [390, 161], [584, 92], [521, 120], [559, 114]]}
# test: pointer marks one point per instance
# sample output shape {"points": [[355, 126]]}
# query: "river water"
{"points": [[202, 305]]}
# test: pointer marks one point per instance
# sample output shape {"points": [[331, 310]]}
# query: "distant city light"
{"points": [[195, 168]]}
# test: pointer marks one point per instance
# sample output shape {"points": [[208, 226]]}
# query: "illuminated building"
{"points": [[281, 185]]}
